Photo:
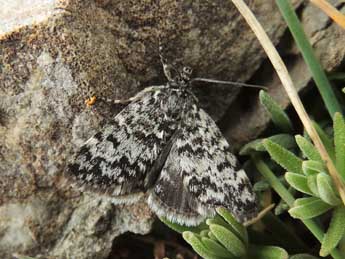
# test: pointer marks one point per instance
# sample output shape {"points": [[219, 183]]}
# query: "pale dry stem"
{"points": [[331, 11]]}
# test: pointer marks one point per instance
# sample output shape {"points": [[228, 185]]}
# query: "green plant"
{"points": [[306, 173]]}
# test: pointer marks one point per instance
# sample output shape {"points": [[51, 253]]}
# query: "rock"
{"points": [[54, 54], [95, 223]]}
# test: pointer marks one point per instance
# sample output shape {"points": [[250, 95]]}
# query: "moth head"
{"points": [[186, 73]]}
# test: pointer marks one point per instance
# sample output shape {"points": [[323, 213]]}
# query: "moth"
{"points": [[164, 145]]}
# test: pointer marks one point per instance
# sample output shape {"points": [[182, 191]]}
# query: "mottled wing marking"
{"points": [[118, 159], [200, 174]]}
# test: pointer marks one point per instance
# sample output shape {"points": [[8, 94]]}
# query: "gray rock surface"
{"points": [[53, 55], [95, 223]]}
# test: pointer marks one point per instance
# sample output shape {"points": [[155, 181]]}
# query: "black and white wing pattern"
{"points": [[200, 174], [122, 160]]}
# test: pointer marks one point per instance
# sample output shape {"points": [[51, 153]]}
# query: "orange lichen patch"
{"points": [[90, 101]]}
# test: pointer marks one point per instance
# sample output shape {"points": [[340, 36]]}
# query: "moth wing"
{"points": [[119, 160], [200, 174]]}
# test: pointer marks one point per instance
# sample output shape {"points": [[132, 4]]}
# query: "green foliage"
{"points": [[312, 184], [299, 182], [339, 143], [308, 174], [272, 179], [326, 140], [236, 227], [214, 247], [285, 140], [195, 241], [311, 167], [284, 157], [267, 252], [307, 148], [327, 190], [335, 231], [278, 115], [227, 238], [307, 208]]}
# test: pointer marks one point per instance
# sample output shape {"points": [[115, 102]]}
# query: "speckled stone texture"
{"points": [[54, 54]]}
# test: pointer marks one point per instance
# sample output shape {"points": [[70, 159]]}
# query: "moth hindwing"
{"points": [[164, 145]]}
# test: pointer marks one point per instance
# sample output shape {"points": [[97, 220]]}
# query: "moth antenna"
{"points": [[236, 84], [168, 68]]}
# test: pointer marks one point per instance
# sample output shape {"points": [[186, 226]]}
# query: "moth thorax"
{"points": [[180, 82]]}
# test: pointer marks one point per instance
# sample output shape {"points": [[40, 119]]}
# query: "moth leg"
{"points": [[136, 97], [92, 100], [167, 68], [139, 95]]}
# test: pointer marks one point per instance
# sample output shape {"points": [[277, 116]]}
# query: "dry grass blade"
{"points": [[332, 12], [286, 80], [259, 216]]}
